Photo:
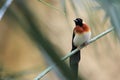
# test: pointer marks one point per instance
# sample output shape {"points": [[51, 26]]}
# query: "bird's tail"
{"points": [[74, 62]]}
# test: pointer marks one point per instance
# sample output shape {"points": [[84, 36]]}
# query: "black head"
{"points": [[78, 21]]}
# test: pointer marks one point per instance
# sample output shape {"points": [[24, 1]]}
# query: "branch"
{"points": [[51, 6], [73, 52], [4, 8]]}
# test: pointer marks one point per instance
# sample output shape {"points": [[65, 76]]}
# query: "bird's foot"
{"points": [[84, 44]]}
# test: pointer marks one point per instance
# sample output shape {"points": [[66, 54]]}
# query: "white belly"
{"points": [[80, 39]]}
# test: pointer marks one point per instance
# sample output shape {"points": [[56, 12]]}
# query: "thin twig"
{"points": [[4, 8], [51, 6], [73, 52]]}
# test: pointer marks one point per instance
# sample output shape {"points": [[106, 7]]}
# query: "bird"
{"points": [[81, 35]]}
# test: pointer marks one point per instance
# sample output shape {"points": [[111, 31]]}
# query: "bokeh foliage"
{"points": [[99, 14]]}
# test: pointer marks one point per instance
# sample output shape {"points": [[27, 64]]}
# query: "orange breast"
{"points": [[81, 29]]}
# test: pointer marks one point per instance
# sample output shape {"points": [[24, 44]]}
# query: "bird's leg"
{"points": [[82, 45]]}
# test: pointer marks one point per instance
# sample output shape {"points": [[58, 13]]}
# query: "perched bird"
{"points": [[81, 34]]}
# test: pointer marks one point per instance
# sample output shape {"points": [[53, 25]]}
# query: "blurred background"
{"points": [[30, 28]]}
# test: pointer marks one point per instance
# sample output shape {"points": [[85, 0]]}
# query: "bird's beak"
{"points": [[75, 21]]}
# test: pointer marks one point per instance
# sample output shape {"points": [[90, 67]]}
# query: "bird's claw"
{"points": [[83, 45]]}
